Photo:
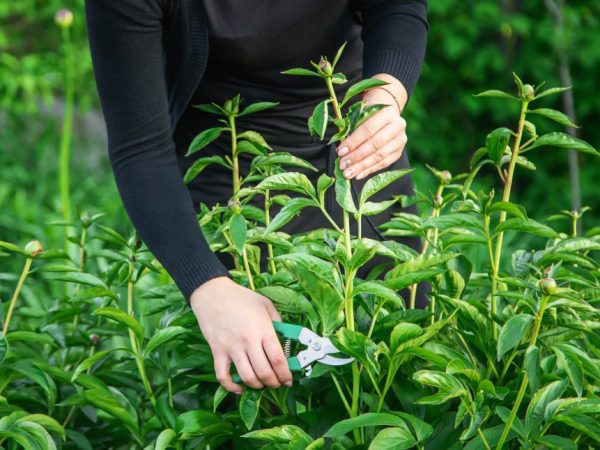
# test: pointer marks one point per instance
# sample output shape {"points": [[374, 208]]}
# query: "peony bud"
{"points": [[325, 67], [33, 248], [234, 206], [528, 92], [438, 201], [445, 177], [94, 339], [63, 18], [548, 286]]}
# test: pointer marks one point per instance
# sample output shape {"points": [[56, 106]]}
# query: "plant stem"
{"points": [[267, 222], [67, 131], [506, 198], [234, 156], [13, 300], [135, 346], [525, 381], [247, 268], [341, 393]]}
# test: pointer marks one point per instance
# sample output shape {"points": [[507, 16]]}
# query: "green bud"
{"points": [[63, 18], [445, 177], [94, 339], [548, 286], [33, 248], [234, 206], [325, 67], [228, 106], [528, 92]]}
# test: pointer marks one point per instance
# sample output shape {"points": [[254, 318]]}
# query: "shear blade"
{"points": [[333, 361]]}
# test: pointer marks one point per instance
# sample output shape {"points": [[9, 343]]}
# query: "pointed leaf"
{"points": [[238, 230], [163, 336], [512, 333], [496, 143], [201, 164], [554, 115], [256, 107], [563, 140], [361, 86], [379, 182], [204, 138], [123, 318]]}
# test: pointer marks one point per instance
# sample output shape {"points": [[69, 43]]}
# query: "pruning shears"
{"points": [[319, 349]]}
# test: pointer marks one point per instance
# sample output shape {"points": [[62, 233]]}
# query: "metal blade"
{"points": [[333, 361], [328, 346]]}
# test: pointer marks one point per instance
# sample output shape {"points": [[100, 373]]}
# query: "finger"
{"points": [[272, 311], [246, 371], [385, 162], [370, 146], [222, 365], [277, 359], [367, 129], [261, 366]]}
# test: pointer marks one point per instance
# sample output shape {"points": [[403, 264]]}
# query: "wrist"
{"points": [[209, 289], [394, 88]]}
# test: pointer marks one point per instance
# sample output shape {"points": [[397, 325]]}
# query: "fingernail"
{"points": [[289, 383], [360, 176], [238, 392], [348, 173], [342, 151], [345, 163]]}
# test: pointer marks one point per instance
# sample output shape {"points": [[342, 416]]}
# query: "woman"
{"points": [[153, 59]]}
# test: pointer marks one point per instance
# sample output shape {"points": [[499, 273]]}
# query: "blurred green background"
{"points": [[473, 46]]}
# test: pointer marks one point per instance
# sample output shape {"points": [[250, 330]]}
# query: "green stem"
{"points": [[67, 131], [525, 381], [234, 156], [267, 222], [135, 346], [13, 300], [341, 393], [247, 268], [506, 198]]}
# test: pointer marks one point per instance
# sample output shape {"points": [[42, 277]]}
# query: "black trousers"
{"points": [[312, 218]]}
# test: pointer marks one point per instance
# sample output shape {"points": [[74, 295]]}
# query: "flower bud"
{"points": [[548, 285], [33, 248], [325, 67], [528, 91], [445, 177], [228, 106], [94, 339], [63, 18], [438, 201], [234, 206]]}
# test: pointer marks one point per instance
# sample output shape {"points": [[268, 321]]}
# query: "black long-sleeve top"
{"points": [[149, 59]]}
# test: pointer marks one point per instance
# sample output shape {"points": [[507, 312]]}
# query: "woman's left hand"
{"points": [[380, 140]]}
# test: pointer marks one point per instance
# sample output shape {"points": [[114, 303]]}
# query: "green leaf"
{"points": [[45, 421], [89, 362], [291, 181], [540, 400], [290, 210], [29, 336], [163, 441], [554, 115], [288, 300], [238, 230], [402, 281], [402, 333], [251, 148], [343, 193], [79, 278], [527, 226], [211, 108], [282, 434], [554, 442], [532, 367], [393, 439], [361, 86], [359, 346], [254, 137], [374, 208], [249, 406], [497, 94], [200, 422], [511, 208], [301, 72], [380, 290], [338, 54], [512, 333], [200, 164], [3, 347], [496, 143], [378, 182], [123, 318], [563, 140], [284, 158], [12, 247], [552, 91], [204, 138], [573, 368], [345, 426], [323, 183], [256, 107], [163, 336], [317, 122]]}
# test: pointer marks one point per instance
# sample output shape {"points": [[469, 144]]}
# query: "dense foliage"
{"points": [[98, 350], [506, 356]]}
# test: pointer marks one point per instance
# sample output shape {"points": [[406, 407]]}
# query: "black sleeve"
{"points": [[126, 46], [395, 38]]}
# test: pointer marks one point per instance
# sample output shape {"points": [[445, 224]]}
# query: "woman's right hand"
{"points": [[237, 324]]}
